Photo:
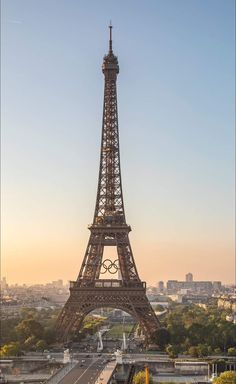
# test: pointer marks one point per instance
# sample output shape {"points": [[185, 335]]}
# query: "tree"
{"points": [[196, 333], [29, 313], [29, 327], [202, 350], [8, 332], [232, 351], [177, 331], [172, 351], [41, 345], [227, 377], [193, 351], [227, 334], [191, 326], [140, 378], [11, 349], [179, 335], [159, 308], [161, 337], [30, 342], [49, 335]]}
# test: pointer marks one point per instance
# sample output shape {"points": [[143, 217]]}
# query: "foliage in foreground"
{"points": [[227, 377], [11, 349], [140, 378]]}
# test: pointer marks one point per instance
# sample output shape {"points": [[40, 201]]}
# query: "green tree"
{"points": [[11, 349], [161, 337], [29, 327], [30, 342], [172, 351], [8, 332], [190, 325], [227, 334], [29, 313], [140, 378], [159, 308], [202, 350], [41, 345], [177, 331], [49, 335], [193, 351], [196, 333], [232, 351], [227, 377], [209, 350]]}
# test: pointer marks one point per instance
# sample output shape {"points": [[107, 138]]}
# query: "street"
{"points": [[85, 371]]}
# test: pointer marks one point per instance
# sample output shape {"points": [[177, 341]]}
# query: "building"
{"points": [[160, 287], [174, 286], [189, 277], [227, 302], [196, 286], [57, 283], [4, 284], [217, 286]]}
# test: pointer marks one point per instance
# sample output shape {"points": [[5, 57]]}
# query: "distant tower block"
{"points": [[161, 286], [189, 277]]}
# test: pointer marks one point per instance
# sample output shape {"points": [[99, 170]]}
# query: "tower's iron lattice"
{"points": [[109, 228]]}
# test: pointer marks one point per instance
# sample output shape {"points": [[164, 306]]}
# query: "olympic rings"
{"points": [[109, 266]]}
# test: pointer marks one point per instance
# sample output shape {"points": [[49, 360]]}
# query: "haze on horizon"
{"points": [[176, 103]]}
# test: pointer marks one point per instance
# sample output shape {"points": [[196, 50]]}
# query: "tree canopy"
{"points": [[227, 377], [11, 349], [161, 337], [140, 378], [198, 331]]}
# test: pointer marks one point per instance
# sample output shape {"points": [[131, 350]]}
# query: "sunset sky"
{"points": [[176, 119]]}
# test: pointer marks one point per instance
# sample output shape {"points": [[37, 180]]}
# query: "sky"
{"points": [[176, 120]]}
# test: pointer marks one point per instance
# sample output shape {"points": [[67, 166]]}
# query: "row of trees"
{"points": [[35, 331], [185, 329], [90, 325], [32, 330], [196, 331]]}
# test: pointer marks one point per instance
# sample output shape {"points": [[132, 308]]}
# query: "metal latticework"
{"points": [[109, 228]]}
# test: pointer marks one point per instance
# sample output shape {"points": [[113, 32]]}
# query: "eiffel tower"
{"points": [[109, 228]]}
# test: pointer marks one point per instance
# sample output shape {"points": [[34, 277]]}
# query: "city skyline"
{"points": [[66, 282], [176, 121]]}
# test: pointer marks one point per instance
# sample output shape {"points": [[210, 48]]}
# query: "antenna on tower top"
{"points": [[110, 41]]}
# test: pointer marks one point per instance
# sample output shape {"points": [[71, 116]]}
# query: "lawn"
{"points": [[118, 329]]}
